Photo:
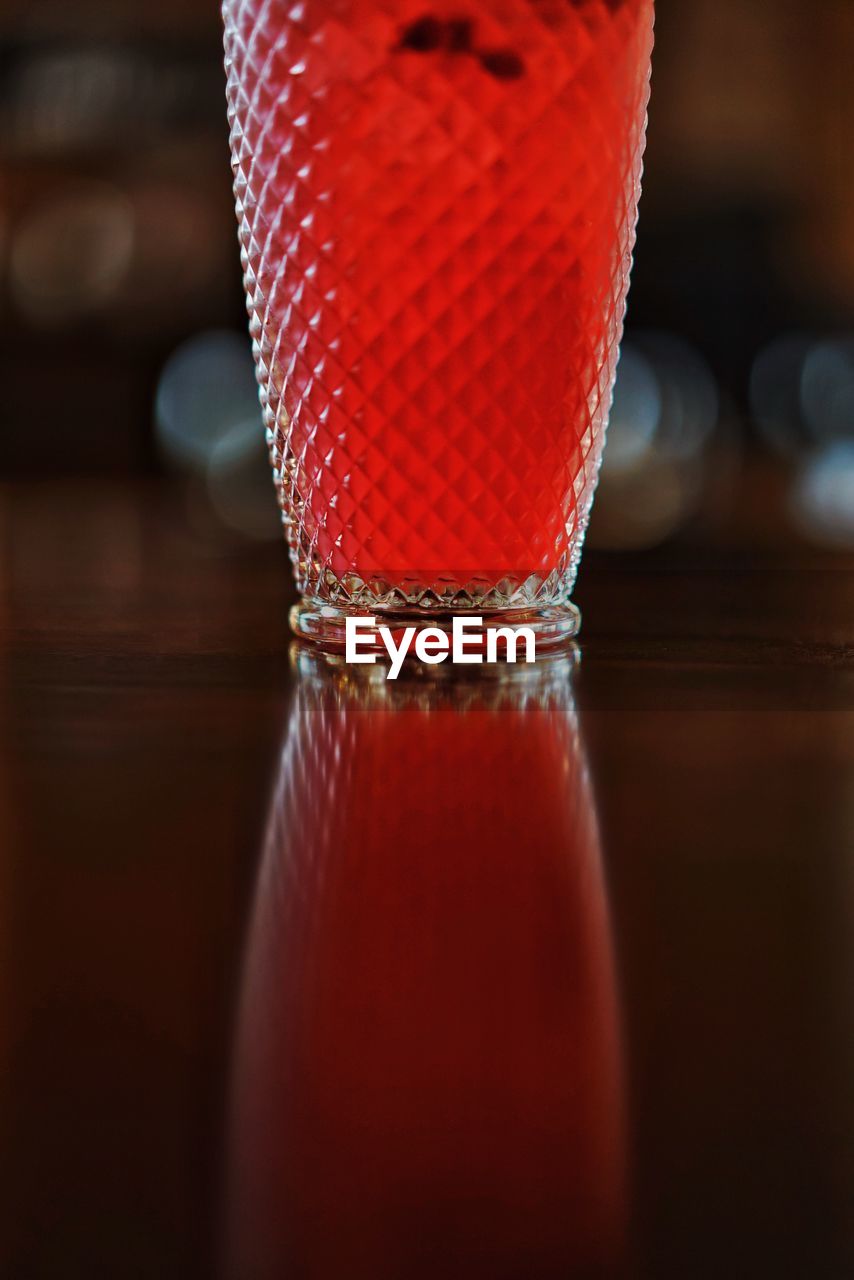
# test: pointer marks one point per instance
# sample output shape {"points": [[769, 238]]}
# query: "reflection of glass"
{"points": [[428, 1074], [437, 205]]}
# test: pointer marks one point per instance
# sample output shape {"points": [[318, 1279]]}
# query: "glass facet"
{"points": [[437, 208]]}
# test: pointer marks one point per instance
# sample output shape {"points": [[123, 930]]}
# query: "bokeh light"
{"points": [[239, 486], [666, 410], [827, 390], [636, 412], [690, 401], [822, 501], [71, 254], [775, 392], [206, 390], [209, 425]]}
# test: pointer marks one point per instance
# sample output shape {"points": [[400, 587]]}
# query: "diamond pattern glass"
{"points": [[437, 205]]}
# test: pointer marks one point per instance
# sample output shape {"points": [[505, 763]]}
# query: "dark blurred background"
{"points": [[123, 346]]}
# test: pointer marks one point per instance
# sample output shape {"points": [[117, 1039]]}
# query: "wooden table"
{"points": [[147, 697]]}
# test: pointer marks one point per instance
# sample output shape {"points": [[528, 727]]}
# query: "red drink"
{"points": [[437, 203]]}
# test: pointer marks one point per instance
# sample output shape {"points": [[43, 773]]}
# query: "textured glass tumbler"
{"points": [[437, 203]]}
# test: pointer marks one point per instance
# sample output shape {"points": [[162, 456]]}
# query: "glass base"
{"points": [[554, 626]]}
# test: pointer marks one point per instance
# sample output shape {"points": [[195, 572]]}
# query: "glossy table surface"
{"points": [[310, 978]]}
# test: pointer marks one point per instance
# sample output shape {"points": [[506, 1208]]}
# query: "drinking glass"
{"points": [[437, 203]]}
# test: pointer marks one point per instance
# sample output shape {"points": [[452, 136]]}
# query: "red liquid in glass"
{"points": [[438, 204]]}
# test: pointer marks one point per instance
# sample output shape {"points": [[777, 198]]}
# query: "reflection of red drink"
{"points": [[428, 1076], [437, 201]]}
